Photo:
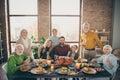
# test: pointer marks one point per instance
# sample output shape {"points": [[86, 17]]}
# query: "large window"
{"points": [[23, 14], [65, 16]]}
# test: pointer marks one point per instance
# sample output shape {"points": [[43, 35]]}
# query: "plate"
{"points": [[89, 70], [62, 70], [37, 71], [81, 60], [72, 73], [25, 68]]}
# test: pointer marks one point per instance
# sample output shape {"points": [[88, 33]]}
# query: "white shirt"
{"points": [[25, 42]]}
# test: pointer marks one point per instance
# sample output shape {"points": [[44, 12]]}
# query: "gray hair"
{"points": [[19, 45], [108, 47]]}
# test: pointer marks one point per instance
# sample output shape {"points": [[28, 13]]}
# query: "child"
{"points": [[73, 53]]}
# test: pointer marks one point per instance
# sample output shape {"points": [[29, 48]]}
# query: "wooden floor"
{"points": [[4, 77]]}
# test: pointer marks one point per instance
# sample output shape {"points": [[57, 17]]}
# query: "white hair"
{"points": [[19, 45], [108, 47]]}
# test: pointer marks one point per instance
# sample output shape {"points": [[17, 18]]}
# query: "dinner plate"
{"points": [[59, 71], [89, 71], [36, 71], [81, 60], [25, 68]]}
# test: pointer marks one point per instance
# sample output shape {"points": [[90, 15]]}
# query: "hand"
{"points": [[108, 60], [32, 47], [93, 60], [109, 63], [83, 42]]}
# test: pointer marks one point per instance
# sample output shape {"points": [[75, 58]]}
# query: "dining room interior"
{"points": [[39, 17]]}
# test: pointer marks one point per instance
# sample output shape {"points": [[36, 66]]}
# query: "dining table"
{"points": [[56, 74]]}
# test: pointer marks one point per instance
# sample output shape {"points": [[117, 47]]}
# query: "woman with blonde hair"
{"points": [[44, 50], [109, 61], [26, 42]]}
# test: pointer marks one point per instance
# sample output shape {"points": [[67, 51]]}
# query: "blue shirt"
{"points": [[113, 61]]}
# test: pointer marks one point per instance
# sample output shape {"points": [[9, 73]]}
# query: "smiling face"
{"points": [[74, 48], [54, 32], [49, 43], [107, 49], [24, 34], [61, 40], [19, 49], [86, 27]]}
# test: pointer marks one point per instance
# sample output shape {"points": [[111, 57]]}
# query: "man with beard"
{"points": [[15, 61], [61, 49]]}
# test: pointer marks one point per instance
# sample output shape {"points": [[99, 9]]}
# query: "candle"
{"points": [[77, 65], [48, 62]]}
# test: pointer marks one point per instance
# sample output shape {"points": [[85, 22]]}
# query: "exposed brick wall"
{"points": [[98, 13], [44, 18]]}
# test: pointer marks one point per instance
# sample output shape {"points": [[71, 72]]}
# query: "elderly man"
{"points": [[88, 41]]}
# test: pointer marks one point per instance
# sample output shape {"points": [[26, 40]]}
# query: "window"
{"points": [[23, 14], [65, 16]]}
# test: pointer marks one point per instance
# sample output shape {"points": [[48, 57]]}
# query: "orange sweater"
{"points": [[91, 39]]}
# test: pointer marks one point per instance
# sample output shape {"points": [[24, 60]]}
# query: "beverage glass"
{"points": [[48, 62], [77, 66]]}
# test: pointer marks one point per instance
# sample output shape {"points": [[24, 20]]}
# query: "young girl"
{"points": [[73, 53]]}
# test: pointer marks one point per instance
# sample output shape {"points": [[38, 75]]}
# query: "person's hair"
{"points": [[85, 23], [61, 37], [47, 41], [22, 32], [108, 47], [75, 46], [19, 45], [54, 30]]}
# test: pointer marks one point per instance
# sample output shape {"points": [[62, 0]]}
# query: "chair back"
{"points": [[5, 67]]}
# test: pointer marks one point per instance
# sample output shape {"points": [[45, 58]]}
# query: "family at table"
{"points": [[55, 46]]}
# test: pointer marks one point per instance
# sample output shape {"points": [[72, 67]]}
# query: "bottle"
{"points": [[52, 67]]}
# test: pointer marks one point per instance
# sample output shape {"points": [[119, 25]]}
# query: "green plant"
{"points": [[33, 38], [42, 41]]}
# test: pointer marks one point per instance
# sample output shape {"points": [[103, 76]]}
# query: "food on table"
{"points": [[38, 70], [64, 69], [65, 61], [81, 60], [99, 69], [89, 70], [72, 73], [86, 69], [25, 68], [84, 65]]}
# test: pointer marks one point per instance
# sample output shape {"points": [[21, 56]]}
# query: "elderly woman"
{"points": [[15, 61], [26, 42], [109, 61]]}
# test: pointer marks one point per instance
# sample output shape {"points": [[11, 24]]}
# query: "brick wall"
{"points": [[44, 18], [98, 13]]}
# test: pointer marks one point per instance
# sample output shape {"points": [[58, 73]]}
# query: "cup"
{"points": [[48, 62], [77, 66], [52, 67]]}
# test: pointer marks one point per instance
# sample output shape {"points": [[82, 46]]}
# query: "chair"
{"points": [[5, 67], [116, 52]]}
